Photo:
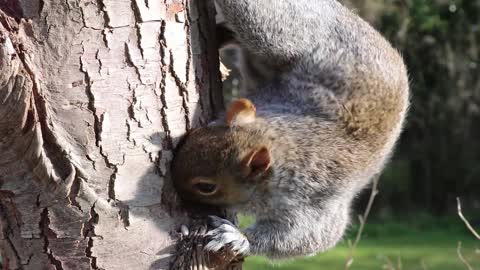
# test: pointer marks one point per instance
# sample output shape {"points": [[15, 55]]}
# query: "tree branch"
{"points": [[469, 226]]}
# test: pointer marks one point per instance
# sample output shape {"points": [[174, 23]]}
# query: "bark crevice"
{"points": [[88, 231], [88, 254], [46, 233], [137, 15], [130, 63], [91, 100], [7, 231], [111, 183], [163, 70], [74, 188], [106, 19], [183, 90]]}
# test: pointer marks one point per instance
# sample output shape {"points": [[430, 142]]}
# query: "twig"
{"points": [[460, 256], [389, 265], [459, 210], [362, 219]]}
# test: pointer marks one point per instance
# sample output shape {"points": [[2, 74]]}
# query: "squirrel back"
{"points": [[302, 145]]}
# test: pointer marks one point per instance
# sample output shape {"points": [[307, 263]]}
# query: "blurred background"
{"points": [[414, 223]]}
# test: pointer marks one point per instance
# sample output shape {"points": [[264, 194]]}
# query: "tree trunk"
{"points": [[94, 96]]}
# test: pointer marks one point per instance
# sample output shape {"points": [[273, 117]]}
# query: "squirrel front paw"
{"points": [[226, 234]]}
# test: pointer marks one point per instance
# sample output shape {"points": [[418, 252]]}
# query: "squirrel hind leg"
{"points": [[240, 111]]}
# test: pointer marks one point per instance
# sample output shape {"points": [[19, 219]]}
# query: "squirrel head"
{"points": [[225, 163]]}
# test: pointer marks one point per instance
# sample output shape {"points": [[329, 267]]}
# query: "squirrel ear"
{"points": [[239, 112], [257, 161]]}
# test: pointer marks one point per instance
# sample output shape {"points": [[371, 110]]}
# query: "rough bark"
{"points": [[94, 96]]}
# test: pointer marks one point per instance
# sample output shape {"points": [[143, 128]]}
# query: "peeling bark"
{"points": [[94, 97]]}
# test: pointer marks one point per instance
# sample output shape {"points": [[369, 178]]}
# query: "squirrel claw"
{"points": [[184, 230], [226, 234]]}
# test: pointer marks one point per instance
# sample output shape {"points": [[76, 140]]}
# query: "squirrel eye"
{"points": [[204, 187]]}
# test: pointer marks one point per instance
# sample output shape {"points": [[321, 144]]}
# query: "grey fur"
{"points": [[330, 116]]}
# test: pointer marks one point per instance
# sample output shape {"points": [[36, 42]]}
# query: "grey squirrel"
{"points": [[295, 152]]}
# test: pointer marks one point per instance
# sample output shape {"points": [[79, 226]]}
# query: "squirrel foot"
{"points": [[226, 234]]}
